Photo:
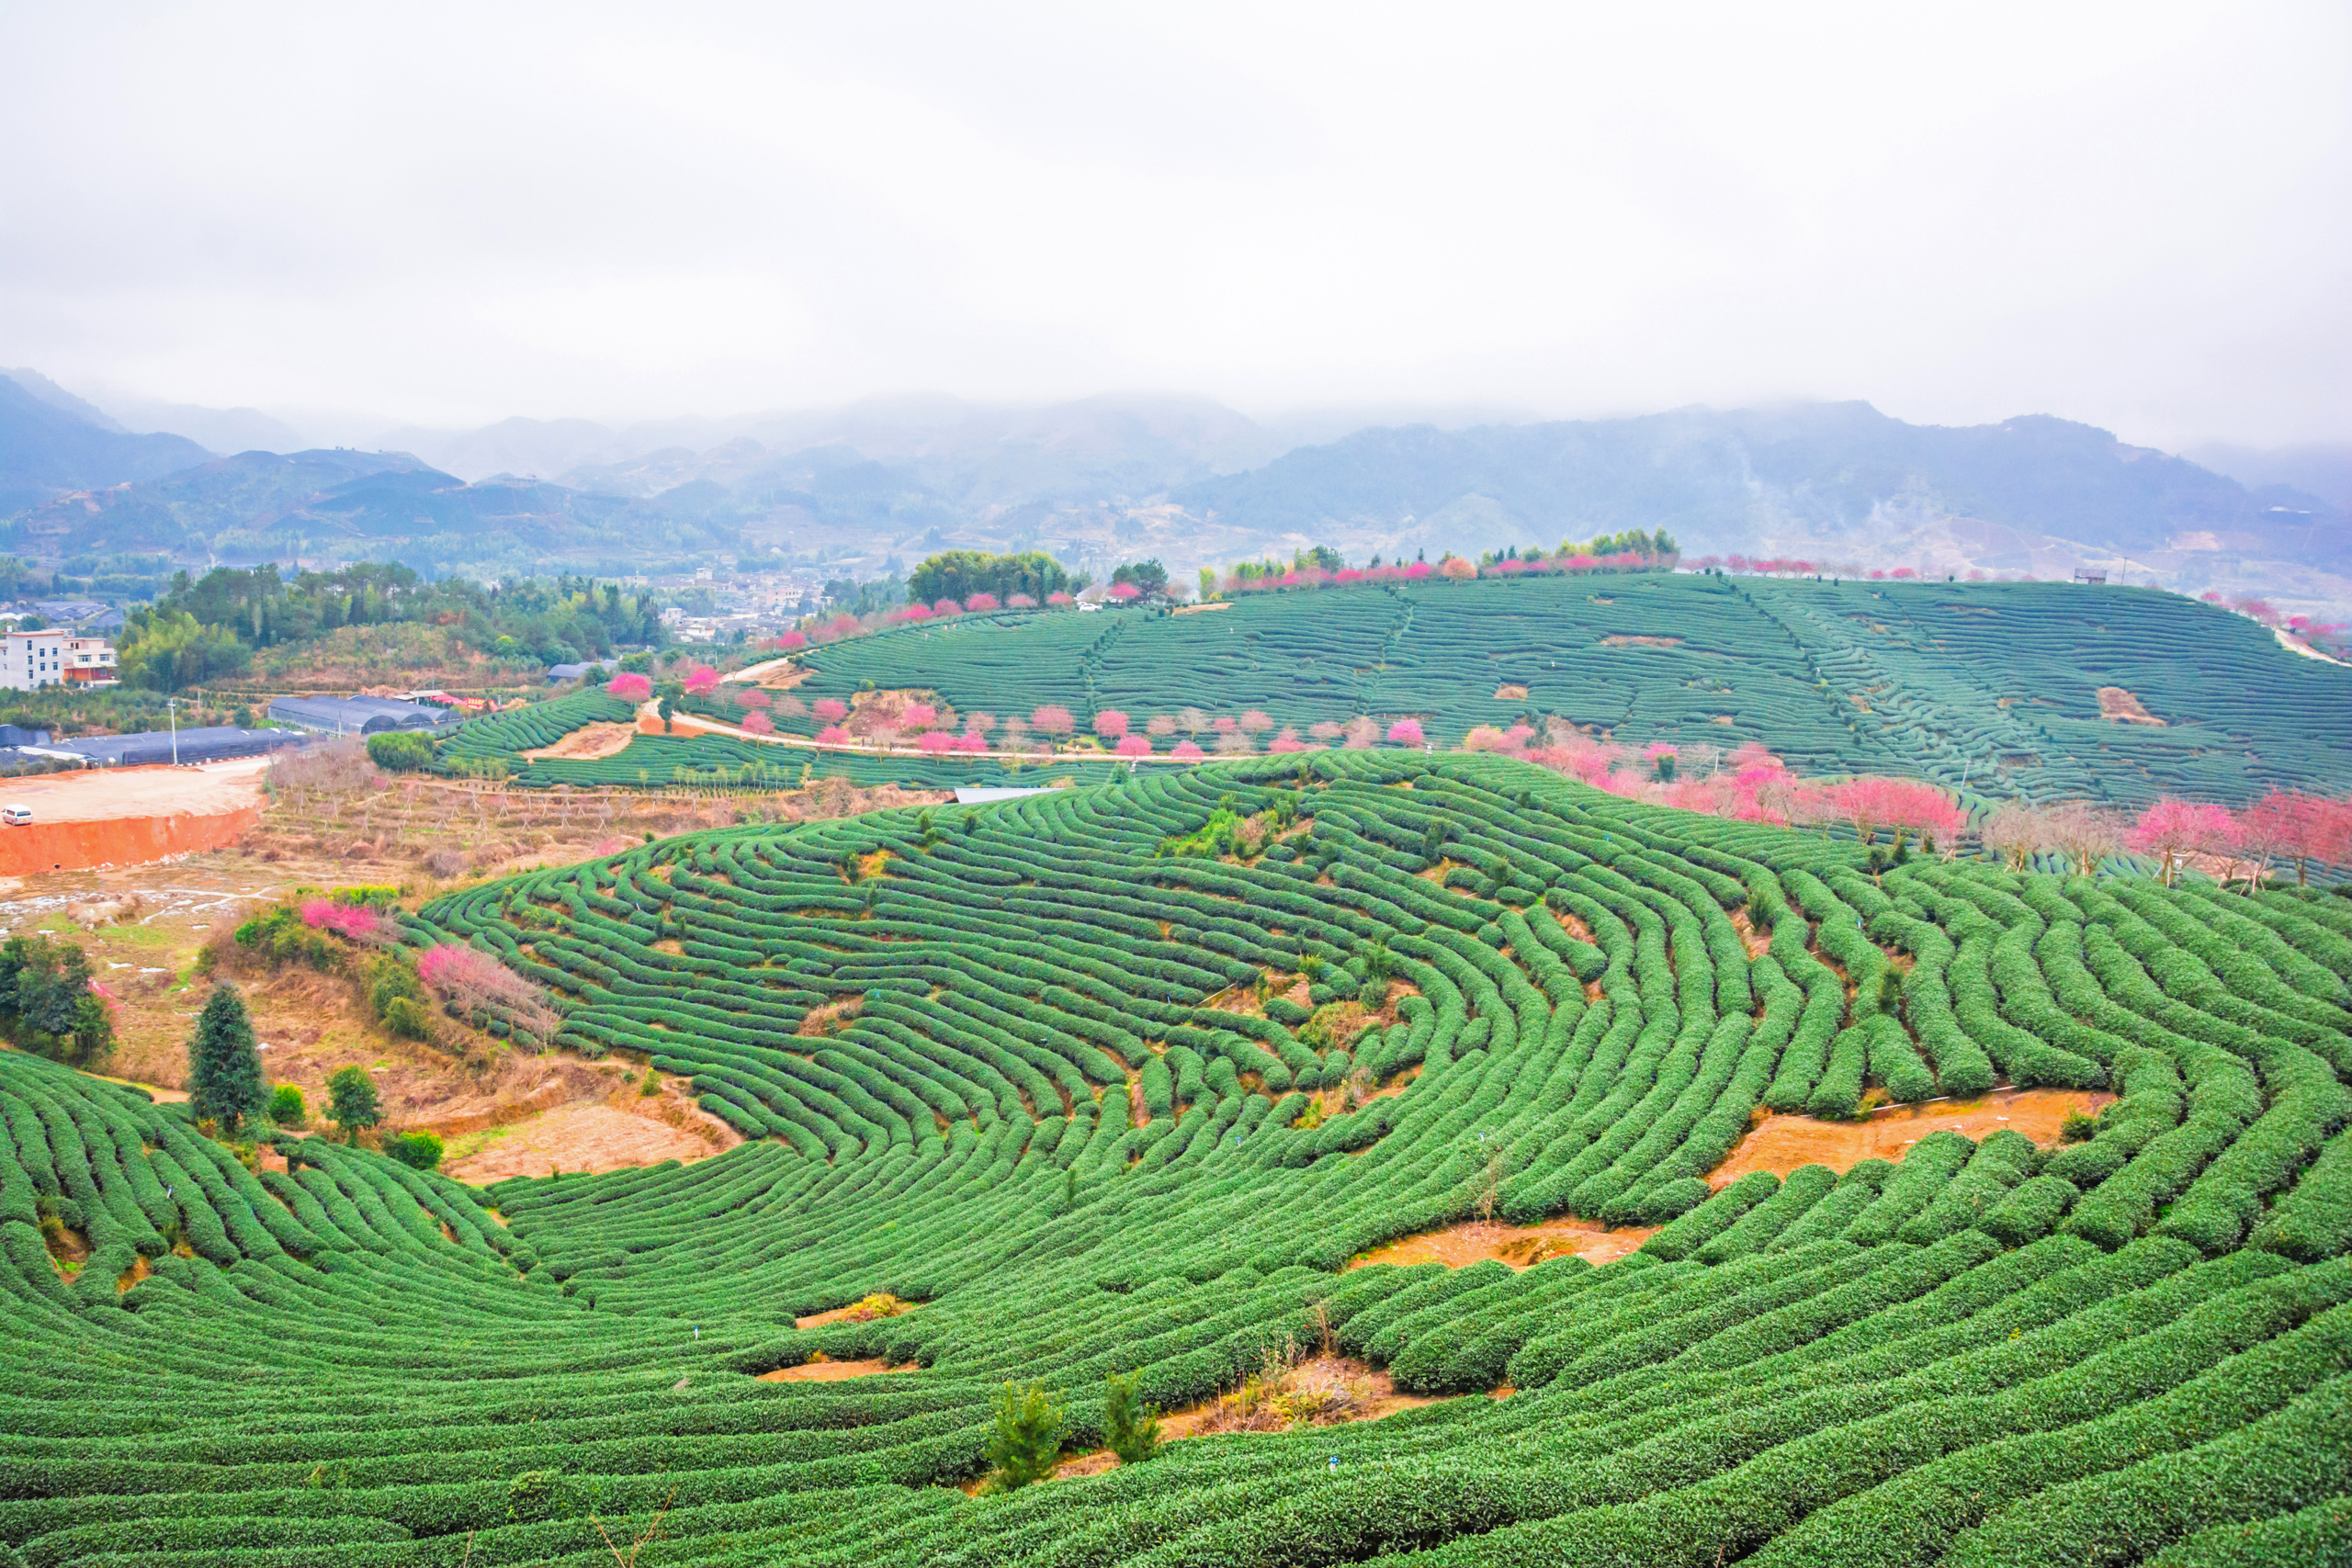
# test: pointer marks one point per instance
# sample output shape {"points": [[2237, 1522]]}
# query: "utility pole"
{"points": [[172, 708]]}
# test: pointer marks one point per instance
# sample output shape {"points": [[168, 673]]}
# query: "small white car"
{"points": [[17, 816]]}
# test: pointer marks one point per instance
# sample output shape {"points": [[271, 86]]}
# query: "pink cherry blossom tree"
{"points": [[2173, 829], [1053, 721], [919, 715], [833, 735], [934, 741], [1407, 732], [1160, 726], [759, 724], [1256, 722], [833, 710], [701, 681], [629, 686], [1110, 723], [1186, 751], [981, 603], [1133, 746], [792, 642]]}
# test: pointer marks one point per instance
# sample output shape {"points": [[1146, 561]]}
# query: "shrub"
{"points": [[286, 1108], [418, 1151], [400, 751]]}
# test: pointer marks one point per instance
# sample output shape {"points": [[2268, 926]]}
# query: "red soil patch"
{"points": [[2115, 702], [113, 816], [1520, 1246], [831, 1371], [1783, 1144]]}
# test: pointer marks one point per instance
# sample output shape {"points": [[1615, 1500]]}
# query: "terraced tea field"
{"points": [[1996, 687], [1096, 1099]]}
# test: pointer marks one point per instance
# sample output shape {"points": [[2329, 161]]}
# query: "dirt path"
{"points": [[1783, 1143]]}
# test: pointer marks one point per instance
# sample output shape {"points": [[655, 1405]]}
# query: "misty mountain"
{"points": [[2323, 470], [330, 507], [535, 448], [1813, 479], [218, 429], [47, 447]]}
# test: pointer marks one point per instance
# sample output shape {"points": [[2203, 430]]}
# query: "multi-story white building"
{"points": [[32, 660]]}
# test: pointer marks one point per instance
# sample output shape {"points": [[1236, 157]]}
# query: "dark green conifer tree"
{"points": [[225, 1070]]}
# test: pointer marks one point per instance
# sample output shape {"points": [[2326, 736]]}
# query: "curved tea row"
{"points": [[1103, 1094]]}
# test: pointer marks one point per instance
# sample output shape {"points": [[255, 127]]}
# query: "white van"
{"points": [[17, 816]]}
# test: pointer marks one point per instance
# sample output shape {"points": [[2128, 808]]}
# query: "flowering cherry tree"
{"points": [[1133, 746], [629, 686], [833, 710], [1053, 721], [701, 681], [759, 724], [1186, 751], [2172, 831], [1111, 724], [1407, 732], [792, 642]]}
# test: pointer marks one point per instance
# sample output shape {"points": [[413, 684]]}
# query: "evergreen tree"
{"points": [[225, 1070], [351, 1102], [1027, 1442]]}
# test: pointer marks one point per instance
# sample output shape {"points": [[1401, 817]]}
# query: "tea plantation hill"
{"points": [[1993, 685], [2135, 1347]]}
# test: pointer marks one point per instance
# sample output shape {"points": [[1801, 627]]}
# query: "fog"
{"points": [[2129, 214]]}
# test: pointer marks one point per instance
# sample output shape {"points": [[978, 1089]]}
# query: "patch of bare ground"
{"points": [[1756, 942], [1213, 605], [865, 1309], [2116, 704], [590, 1135], [822, 1371], [1325, 1390], [1510, 692], [1520, 1246], [589, 741], [1624, 641], [1783, 1144]]}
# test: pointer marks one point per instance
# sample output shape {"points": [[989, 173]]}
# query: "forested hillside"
{"points": [[2047, 691], [1052, 1123]]}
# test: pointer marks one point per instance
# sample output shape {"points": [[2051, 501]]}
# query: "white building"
{"points": [[29, 661]]}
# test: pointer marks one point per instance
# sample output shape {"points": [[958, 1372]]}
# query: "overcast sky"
{"points": [[2135, 215]]}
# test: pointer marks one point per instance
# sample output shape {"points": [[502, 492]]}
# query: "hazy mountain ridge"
{"points": [[1124, 476], [45, 448]]}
